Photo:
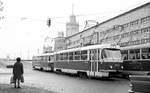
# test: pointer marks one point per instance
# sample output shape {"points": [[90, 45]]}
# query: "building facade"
{"points": [[127, 29]]}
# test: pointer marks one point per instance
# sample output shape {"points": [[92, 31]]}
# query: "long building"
{"points": [[127, 29]]}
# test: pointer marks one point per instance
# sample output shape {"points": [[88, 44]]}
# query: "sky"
{"points": [[24, 28]]}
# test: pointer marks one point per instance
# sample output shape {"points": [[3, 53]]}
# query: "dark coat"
{"points": [[18, 69]]}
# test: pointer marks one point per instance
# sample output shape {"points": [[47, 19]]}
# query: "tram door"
{"points": [[94, 60]]}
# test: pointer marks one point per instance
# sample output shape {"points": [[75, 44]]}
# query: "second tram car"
{"points": [[136, 59], [94, 61], [43, 61]]}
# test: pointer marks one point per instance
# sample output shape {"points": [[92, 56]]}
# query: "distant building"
{"points": [[59, 42], [61, 34], [72, 27], [47, 49]]}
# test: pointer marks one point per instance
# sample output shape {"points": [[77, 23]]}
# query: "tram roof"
{"points": [[45, 54], [100, 46], [136, 46]]}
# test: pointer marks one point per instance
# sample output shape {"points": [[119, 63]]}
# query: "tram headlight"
{"points": [[121, 67], [110, 67], [130, 85]]}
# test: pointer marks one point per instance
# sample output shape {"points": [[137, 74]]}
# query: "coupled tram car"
{"points": [[93, 61], [43, 62], [136, 59]]}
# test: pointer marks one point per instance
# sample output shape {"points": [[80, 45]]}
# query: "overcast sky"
{"points": [[24, 28]]}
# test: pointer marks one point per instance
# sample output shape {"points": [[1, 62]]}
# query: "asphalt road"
{"points": [[68, 84]]}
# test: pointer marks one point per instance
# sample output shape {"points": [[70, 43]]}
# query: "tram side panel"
{"points": [[72, 66], [110, 66]]}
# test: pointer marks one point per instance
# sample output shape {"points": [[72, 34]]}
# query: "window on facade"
{"points": [[144, 40], [146, 53], [133, 23], [145, 19], [84, 55], [124, 35], [126, 25], [144, 30], [115, 37]]}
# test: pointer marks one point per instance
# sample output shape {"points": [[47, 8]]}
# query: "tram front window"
{"points": [[109, 53]]}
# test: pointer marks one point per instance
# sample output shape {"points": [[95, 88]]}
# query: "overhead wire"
{"points": [[77, 15]]}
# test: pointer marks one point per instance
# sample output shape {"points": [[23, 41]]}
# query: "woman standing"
{"points": [[17, 72]]}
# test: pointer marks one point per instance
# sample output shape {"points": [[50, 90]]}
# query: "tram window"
{"points": [[57, 57], [103, 54], [146, 53], [90, 55], [137, 52], [93, 54], [132, 54], [65, 56], [41, 58], [49, 58], [125, 54], [70, 55], [84, 52], [45, 58], [98, 54], [77, 55], [84, 55], [61, 56]]}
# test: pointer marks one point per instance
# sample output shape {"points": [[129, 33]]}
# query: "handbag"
{"points": [[12, 80], [22, 78]]}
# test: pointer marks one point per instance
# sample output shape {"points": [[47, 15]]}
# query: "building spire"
{"points": [[72, 9]]}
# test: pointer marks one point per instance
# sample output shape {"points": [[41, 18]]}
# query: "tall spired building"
{"points": [[72, 27]]}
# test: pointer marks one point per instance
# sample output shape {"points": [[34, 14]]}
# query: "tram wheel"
{"points": [[41, 69]]}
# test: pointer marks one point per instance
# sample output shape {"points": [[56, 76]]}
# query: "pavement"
{"points": [[5, 87]]}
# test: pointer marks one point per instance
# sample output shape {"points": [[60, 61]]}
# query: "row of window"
{"points": [[127, 34], [136, 22], [135, 42], [136, 54], [77, 55], [46, 58]]}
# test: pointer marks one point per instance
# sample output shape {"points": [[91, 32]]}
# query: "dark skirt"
{"points": [[17, 77]]}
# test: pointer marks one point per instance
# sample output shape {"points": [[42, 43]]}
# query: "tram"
{"points": [[136, 59], [43, 61], [93, 61]]}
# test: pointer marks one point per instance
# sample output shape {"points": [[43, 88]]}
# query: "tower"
{"points": [[72, 27]]}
